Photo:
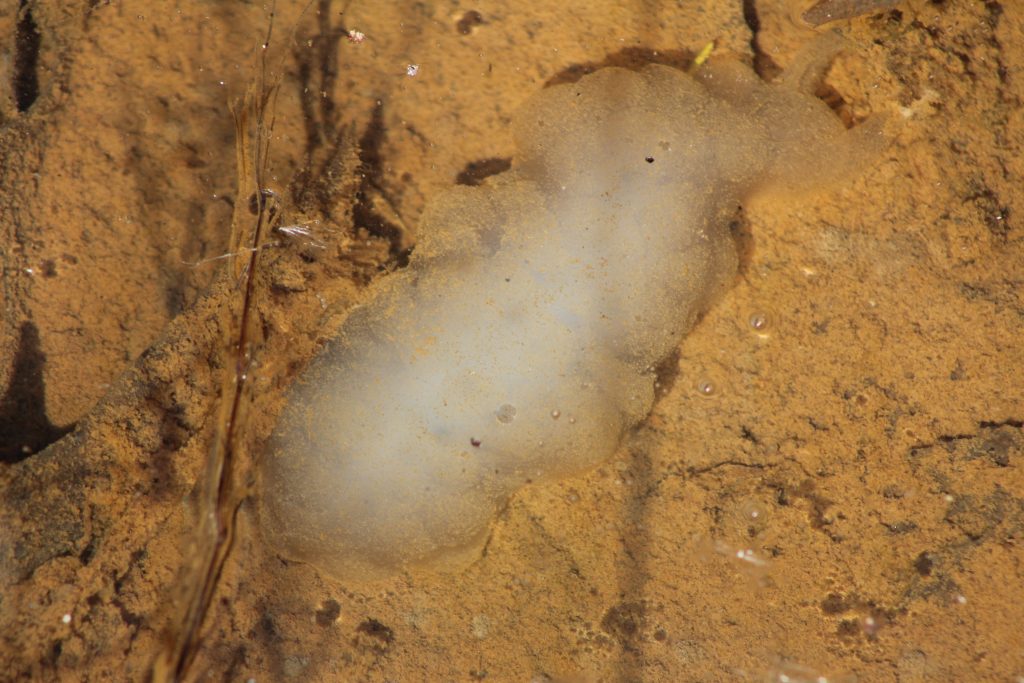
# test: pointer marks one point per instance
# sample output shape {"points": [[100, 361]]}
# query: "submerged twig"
{"points": [[220, 494]]}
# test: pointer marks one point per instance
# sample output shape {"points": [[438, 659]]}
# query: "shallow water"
{"points": [[834, 492]]}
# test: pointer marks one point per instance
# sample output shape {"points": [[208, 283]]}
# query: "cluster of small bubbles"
{"points": [[748, 560], [505, 413], [759, 321], [706, 387], [792, 672], [749, 556]]}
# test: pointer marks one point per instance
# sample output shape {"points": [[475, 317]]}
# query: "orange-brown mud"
{"points": [[832, 483]]}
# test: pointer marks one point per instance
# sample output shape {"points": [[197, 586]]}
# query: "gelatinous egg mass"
{"points": [[517, 345]]}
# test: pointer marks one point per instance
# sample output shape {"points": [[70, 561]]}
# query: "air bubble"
{"points": [[753, 517], [752, 511], [556, 413], [505, 413], [706, 387], [759, 321]]}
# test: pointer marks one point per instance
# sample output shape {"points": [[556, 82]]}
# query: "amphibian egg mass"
{"points": [[517, 344]]}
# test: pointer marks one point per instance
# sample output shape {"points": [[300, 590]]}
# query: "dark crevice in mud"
{"points": [[331, 144], [476, 172], [633, 58], [327, 45], [666, 373], [983, 426], [765, 67], [986, 424], [24, 426], [828, 11], [319, 183], [25, 77], [364, 214], [318, 73]]}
